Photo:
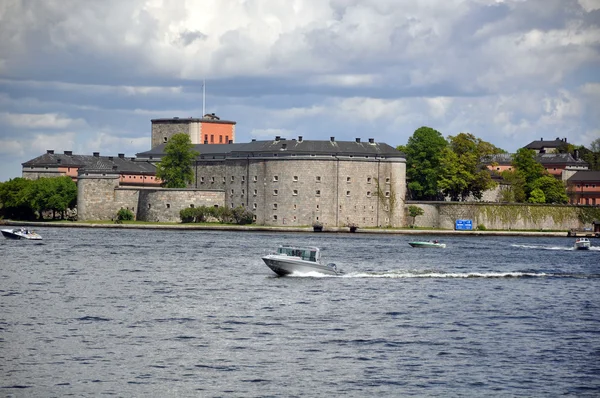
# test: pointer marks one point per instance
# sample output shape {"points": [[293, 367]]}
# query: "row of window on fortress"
{"points": [[294, 179], [212, 139], [295, 193]]}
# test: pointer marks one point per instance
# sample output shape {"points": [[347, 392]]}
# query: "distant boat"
{"points": [[430, 243], [289, 259], [582, 244], [21, 233]]}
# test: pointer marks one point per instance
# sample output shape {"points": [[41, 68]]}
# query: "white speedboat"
{"points": [[582, 244], [288, 260], [430, 243], [21, 233]]}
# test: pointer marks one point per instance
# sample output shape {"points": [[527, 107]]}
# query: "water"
{"points": [[91, 312]]}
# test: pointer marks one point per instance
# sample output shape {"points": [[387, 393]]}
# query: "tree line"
{"points": [[439, 168], [24, 199]]}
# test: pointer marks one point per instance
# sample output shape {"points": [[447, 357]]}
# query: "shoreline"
{"points": [[257, 228]]}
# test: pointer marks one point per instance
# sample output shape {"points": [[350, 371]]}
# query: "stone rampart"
{"points": [[499, 216]]}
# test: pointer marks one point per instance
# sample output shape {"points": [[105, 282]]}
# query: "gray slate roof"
{"points": [[92, 162], [541, 144], [283, 146], [543, 158], [585, 175]]}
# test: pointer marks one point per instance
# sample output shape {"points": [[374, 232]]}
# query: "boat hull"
{"points": [[283, 266], [582, 244], [427, 244], [18, 234]]}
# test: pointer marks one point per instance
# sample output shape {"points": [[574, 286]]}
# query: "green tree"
{"points": [[175, 168], [14, 199], [553, 189], [515, 187], [527, 166], [537, 196], [414, 212], [423, 153]]}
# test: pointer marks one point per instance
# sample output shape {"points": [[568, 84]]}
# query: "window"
{"points": [[275, 192], [227, 139], [318, 178], [168, 205], [201, 180], [318, 192], [255, 178], [275, 178], [212, 138], [164, 139], [220, 139], [254, 206], [274, 217], [149, 205], [232, 178], [348, 179], [255, 192], [206, 138], [295, 178], [243, 178], [192, 205], [295, 193], [295, 206], [347, 193], [368, 180], [368, 194], [274, 206], [212, 180], [387, 194], [317, 207], [243, 192], [387, 180], [232, 192]]}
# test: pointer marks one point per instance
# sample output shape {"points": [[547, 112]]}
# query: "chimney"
{"points": [[96, 154], [332, 139], [299, 138], [542, 139], [358, 140], [69, 153], [50, 151], [132, 159], [122, 155], [284, 146], [277, 138], [371, 140], [253, 139], [110, 158]]}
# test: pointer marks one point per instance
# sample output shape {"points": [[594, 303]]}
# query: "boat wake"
{"points": [[402, 274], [558, 248]]}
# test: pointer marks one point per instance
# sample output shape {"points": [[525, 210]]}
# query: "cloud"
{"points": [[38, 121]]}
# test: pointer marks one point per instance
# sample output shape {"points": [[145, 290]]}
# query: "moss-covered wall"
{"points": [[506, 216]]}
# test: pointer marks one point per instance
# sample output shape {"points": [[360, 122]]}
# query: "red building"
{"points": [[583, 188]]}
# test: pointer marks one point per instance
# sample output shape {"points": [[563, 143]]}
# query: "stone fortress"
{"points": [[298, 182], [293, 182]]}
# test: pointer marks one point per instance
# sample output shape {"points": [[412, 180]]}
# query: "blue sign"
{"points": [[464, 225]]}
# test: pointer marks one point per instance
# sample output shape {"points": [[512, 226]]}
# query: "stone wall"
{"points": [[299, 191], [100, 198], [164, 205], [497, 215]]}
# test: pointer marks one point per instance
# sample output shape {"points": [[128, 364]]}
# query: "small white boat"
{"points": [[582, 244], [288, 260], [21, 233], [430, 243]]}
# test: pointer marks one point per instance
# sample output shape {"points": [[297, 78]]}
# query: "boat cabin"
{"points": [[307, 254]]}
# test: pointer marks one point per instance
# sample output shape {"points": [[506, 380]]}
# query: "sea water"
{"points": [[160, 313]]}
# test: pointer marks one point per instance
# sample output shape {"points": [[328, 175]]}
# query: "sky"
{"points": [[88, 76]]}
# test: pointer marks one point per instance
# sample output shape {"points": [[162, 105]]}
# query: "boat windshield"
{"points": [[304, 254]]}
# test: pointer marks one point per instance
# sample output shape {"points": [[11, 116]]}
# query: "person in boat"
{"points": [[436, 241]]}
